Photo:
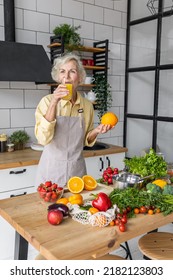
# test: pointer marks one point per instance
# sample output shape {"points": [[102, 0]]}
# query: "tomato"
{"points": [[116, 221], [124, 211], [122, 227], [150, 212], [119, 216], [143, 209], [136, 210], [128, 209], [158, 210], [124, 219]]}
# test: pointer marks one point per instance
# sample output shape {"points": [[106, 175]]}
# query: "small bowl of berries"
{"points": [[49, 191]]}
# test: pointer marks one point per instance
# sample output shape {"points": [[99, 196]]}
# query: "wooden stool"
{"points": [[106, 257], [157, 245]]}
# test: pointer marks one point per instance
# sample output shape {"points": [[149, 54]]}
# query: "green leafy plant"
{"points": [[69, 33], [103, 95], [19, 139]]}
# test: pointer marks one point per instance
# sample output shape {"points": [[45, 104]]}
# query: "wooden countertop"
{"points": [[30, 157], [70, 240]]}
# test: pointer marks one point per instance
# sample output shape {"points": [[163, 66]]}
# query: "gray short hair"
{"points": [[58, 62]]}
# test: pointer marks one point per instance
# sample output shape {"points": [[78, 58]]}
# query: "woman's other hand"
{"points": [[102, 128]]}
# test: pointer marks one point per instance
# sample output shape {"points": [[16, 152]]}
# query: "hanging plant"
{"points": [[71, 37], [103, 95]]}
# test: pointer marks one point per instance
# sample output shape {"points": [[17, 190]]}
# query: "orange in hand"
{"points": [[109, 118]]}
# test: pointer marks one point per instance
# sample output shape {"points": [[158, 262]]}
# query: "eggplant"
{"points": [[62, 207]]}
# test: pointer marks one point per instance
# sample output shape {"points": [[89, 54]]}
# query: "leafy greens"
{"points": [[146, 165]]}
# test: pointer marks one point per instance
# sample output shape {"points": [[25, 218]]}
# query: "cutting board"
{"points": [[87, 194]]}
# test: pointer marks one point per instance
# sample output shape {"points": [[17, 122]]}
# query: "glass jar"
{"points": [[3, 142]]}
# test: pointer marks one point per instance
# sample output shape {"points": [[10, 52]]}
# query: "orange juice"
{"points": [[70, 88]]}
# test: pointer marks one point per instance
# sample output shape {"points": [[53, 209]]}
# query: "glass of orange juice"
{"points": [[70, 88]]}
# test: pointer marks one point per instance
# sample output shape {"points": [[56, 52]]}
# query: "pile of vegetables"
{"points": [[134, 198], [146, 165]]}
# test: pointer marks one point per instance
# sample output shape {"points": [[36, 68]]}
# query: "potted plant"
{"points": [[19, 139], [103, 94], [71, 37]]}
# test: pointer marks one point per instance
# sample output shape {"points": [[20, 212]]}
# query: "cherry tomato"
{"points": [[122, 227], [136, 210], [124, 219], [119, 216], [128, 209], [143, 209], [124, 211], [117, 221], [150, 212]]}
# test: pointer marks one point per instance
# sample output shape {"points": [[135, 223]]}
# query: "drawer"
{"points": [[17, 178], [7, 236]]}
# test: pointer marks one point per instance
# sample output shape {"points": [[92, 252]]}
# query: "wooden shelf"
{"points": [[81, 49], [87, 67]]}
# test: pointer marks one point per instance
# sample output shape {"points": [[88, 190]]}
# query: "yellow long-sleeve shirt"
{"points": [[44, 130]]}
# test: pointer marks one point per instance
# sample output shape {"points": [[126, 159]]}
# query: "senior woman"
{"points": [[64, 126]]}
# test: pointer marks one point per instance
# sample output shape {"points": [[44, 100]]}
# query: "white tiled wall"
{"points": [[35, 21]]}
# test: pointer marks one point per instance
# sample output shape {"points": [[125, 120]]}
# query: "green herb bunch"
{"points": [[102, 91], [68, 32], [146, 165], [132, 197]]}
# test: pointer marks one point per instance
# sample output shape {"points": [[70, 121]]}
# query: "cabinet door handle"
{"points": [[109, 163], [13, 195], [17, 172], [102, 164]]}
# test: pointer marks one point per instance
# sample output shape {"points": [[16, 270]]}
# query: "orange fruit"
{"points": [[63, 200], [75, 184], [109, 118], [89, 183]]}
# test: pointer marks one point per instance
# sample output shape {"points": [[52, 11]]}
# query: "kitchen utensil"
{"points": [[124, 180]]}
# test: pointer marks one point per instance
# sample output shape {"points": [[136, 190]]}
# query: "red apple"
{"points": [[54, 216]]}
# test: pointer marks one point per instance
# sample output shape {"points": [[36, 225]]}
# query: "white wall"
{"points": [[35, 21]]}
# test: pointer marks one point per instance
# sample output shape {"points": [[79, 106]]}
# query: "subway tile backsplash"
{"points": [[35, 21]]}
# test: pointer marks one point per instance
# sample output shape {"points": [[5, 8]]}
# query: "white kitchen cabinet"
{"points": [[96, 165], [14, 182]]}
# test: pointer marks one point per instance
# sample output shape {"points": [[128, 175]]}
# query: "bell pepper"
{"points": [[102, 202], [76, 199]]}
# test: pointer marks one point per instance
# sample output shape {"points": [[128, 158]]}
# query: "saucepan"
{"points": [[124, 180]]}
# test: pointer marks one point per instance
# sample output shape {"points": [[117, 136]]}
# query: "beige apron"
{"points": [[63, 158]]}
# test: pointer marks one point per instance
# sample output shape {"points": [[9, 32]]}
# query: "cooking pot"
{"points": [[124, 180]]}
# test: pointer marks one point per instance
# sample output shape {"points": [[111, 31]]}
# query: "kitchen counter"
{"points": [[31, 157]]}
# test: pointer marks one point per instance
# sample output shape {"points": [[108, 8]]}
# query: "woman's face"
{"points": [[68, 73]]}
